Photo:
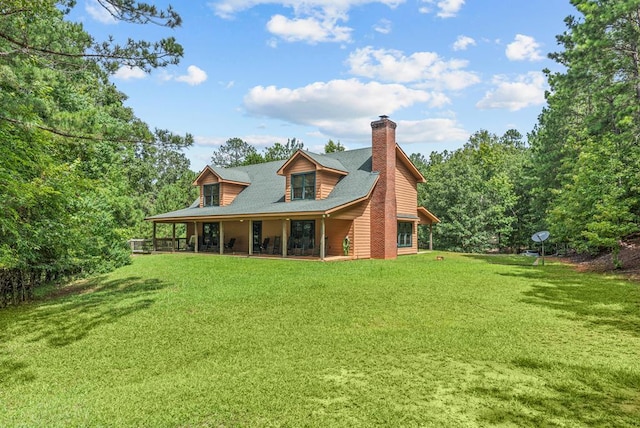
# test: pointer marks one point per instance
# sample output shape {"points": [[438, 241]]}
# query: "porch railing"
{"points": [[166, 244]]}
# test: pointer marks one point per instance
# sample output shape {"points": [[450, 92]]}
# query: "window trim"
{"points": [[304, 187], [405, 239], [215, 198]]}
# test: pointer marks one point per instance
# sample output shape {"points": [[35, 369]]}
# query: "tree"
{"points": [[585, 144], [234, 152], [283, 151], [473, 192], [332, 147], [74, 161], [22, 22]]}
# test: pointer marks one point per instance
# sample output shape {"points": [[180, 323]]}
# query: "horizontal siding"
{"points": [[336, 230], [325, 183], [406, 191], [361, 242], [228, 193]]}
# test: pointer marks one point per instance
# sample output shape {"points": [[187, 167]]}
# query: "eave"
{"points": [[425, 214], [319, 166]]}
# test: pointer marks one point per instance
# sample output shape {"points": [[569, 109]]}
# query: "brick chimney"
{"points": [[384, 223]]}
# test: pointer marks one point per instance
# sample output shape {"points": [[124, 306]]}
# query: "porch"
{"points": [[307, 237]]}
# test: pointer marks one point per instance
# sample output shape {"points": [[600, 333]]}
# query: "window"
{"points": [[211, 194], [303, 186], [303, 234], [405, 233]]}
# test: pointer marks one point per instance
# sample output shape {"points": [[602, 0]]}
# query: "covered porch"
{"points": [[308, 236]]}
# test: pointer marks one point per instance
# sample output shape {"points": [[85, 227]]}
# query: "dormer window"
{"points": [[211, 195], [303, 186]]}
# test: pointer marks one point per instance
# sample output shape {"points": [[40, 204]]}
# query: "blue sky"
{"points": [[266, 71]]}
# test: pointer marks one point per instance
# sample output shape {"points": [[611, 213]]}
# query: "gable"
{"points": [[402, 157]]}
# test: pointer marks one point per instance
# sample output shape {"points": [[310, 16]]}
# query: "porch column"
{"points": [[195, 244], [284, 238], [173, 239], [322, 232], [250, 240], [431, 236], [221, 249], [154, 237]]}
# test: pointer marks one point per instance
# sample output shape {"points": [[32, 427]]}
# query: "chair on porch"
{"points": [[191, 246], [263, 248], [276, 245], [229, 245]]}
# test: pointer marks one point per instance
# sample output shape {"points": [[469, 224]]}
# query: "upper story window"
{"points": [[211, 195], [303, 186]]}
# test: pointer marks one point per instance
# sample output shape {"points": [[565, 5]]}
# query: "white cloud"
{"points": [[383, 26], [258, 140], [527, 90], [463, 42], [309, 29], [194, 76], [337, 107], [208, 141], [446, 8], [313, 21], [434, 130], [103, 14], [128, 73], [524, 48], [228, 8], [425, 68]]}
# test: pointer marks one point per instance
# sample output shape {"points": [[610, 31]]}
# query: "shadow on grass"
{"points": [[572, 393], [69, 315], [594, 298]]}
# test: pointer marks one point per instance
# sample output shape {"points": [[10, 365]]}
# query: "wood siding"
{"points": [[361, 230], [336, 230], [325, 183], [406, 191], [228, 192], [407, 202]]}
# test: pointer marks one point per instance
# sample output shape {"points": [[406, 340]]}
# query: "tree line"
{"points": [[578, 174], [78, 170], [237, 152]]}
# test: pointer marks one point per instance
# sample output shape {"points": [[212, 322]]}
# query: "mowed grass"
{"points": [[209, 341]]}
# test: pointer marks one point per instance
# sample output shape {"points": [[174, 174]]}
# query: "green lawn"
{"points": [[209, 341]]}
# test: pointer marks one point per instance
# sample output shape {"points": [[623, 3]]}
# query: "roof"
{"points": [[426, 216], [323, 161], [232, 175], [265, 195]]}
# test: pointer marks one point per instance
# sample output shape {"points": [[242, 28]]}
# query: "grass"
{"points": [[208, 341]]}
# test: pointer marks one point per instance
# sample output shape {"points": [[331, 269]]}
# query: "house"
{"points": [[360, 203]]}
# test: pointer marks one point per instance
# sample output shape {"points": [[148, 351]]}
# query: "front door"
{"points": [[257, 236]]}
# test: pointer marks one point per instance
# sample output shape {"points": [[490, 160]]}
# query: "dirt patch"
{"points": [[629, 256]]}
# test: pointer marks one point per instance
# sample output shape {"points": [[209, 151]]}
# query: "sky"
{"points": [[266, 71]]}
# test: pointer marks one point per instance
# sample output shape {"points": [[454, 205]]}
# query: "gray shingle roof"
{"points": [[231, 174], [327, 161], [265, 194]]}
